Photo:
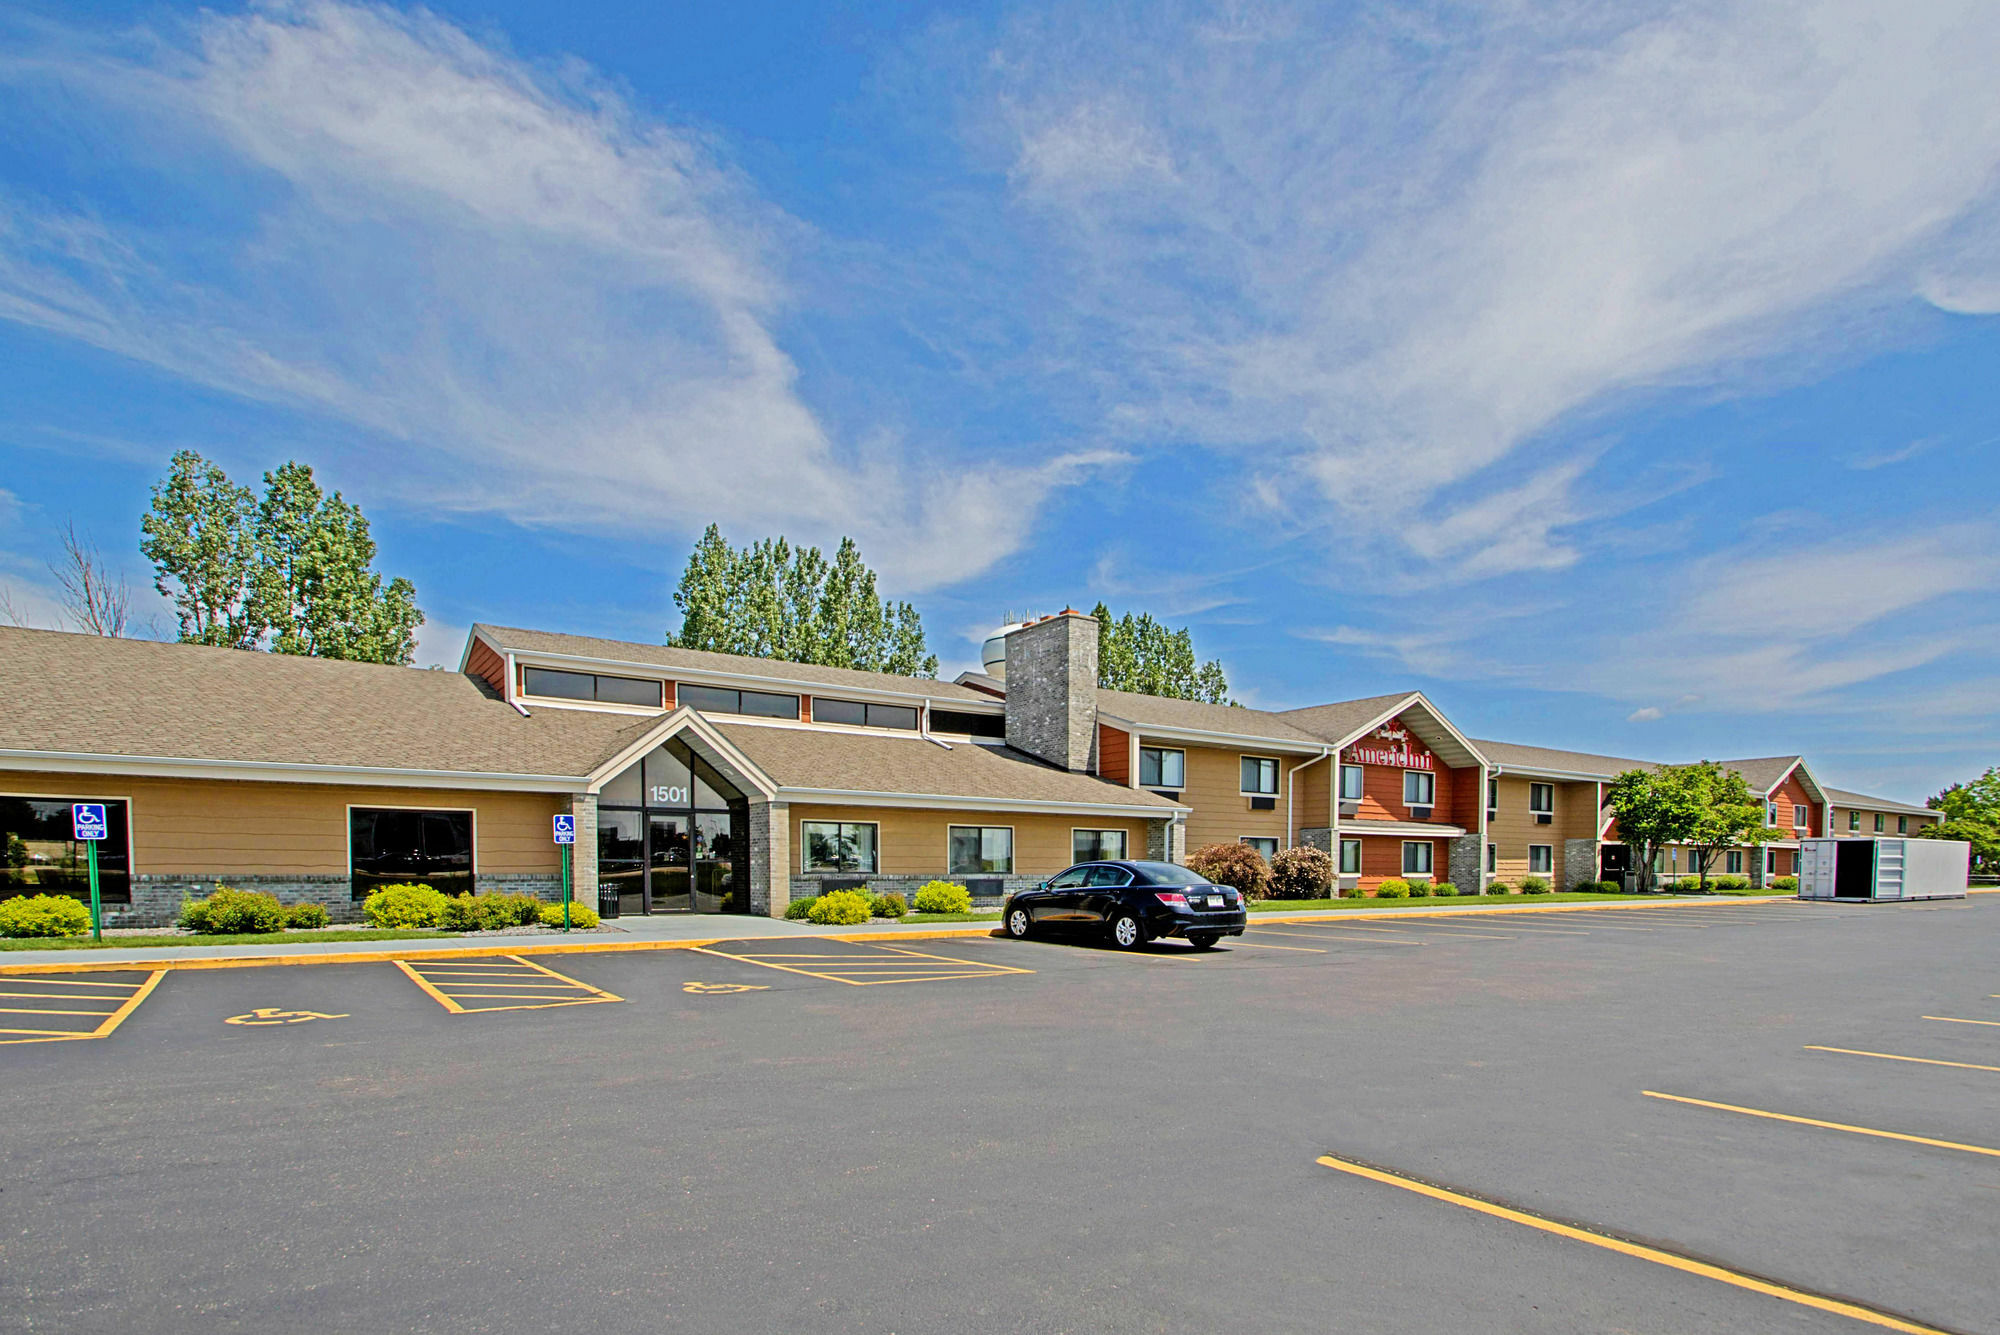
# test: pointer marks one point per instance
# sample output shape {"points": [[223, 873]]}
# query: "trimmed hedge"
{"points": [[234, 912], [1499, 888], [939, 897], [1534, 885], [1445, 890], [306, 916], [1236, 865], [551, 915], [848, 908], [891, 905], [1597, 888], [1420, 889], [1301, 872], [43, 915], [490, 913], [798, 910], [1788, 884], [406, 906], [1393, 888]]}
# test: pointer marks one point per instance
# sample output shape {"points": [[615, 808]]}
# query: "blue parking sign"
{"points": [[87, 819], [565, 829]]}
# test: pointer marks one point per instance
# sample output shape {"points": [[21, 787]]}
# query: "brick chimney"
{"points": [[1052, 690]]}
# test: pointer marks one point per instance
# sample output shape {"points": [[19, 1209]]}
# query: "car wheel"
{"points": [[1203, 940], [1126, 933], [1017, 924]]}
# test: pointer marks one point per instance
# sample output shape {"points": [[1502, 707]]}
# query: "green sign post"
{"points": [[566, 840], [88, 823]]}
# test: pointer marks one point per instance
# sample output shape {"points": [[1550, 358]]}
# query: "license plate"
{"points": [[1215, 901]]}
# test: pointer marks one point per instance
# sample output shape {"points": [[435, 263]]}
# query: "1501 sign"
{"points": [[667, 795]]}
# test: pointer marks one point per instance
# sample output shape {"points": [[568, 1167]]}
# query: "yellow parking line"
{"points": [[1658, 1256], [64, 982], [1830, 1126], [1266, 945], [52, 1033], [62, 996], [1890, 1056], [1953, 1019], [548, 996], [112, 1019], [46, 1010]]}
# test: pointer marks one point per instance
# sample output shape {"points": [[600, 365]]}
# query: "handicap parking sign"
{"points": [[88, 820], [565, 829]]}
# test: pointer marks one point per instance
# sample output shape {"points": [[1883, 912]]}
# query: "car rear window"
{"points": [[1166, 873]]}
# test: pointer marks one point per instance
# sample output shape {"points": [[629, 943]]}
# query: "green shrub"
{"points": [[850, 908], [489, 913], [1303, 872], [891, 905], [405, 906], [1445, 890], [1731, 885], [1534, 885], [1393, 888], [1597, 888], [1498, 888], [1236, 865], [1354, 892], [234, 912], [306, 915], [551, 915], [43, 915], [798, 910], [940, 897], [1788, 884], [1420, 889]]}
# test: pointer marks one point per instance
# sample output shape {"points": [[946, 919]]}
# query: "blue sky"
{"points": [[1621, 375]]}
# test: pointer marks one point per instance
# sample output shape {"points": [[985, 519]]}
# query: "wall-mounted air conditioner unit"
{"points": [[1545, 818], [1420, 813]]}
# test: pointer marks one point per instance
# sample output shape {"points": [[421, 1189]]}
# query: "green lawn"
{"points": [[153, 941], [1429, 902]]}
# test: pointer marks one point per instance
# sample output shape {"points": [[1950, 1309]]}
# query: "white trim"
{"points": [[268, 771], [849, 797], [352, 807], [1011, 842], [683, 718], [1437, 716], [1203, 737], [1405, 829], [1559, 775], [587, 706]]}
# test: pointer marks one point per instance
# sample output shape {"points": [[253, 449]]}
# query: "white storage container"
{"points": [[1879, 870]]}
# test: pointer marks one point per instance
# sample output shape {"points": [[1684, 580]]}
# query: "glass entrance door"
{"points": [[672, 837], [667, 866]]}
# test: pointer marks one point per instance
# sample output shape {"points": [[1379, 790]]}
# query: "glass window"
{"points": [[559, 685], [862, 715], [839, 845], [1097, 846], [1801, 819], [1260, 775], [1419, 788], [1492, 857], [38, 855], [625, 790], [892, 716], [1417, 857], [721, 700], [1733, 863], [1770, 813], [1268, 848], [1160, 768], [1902, 825], [621, 857], [1770, 862], [1110, 877], [1070, 879], [1853, 820], [1541, 859], [669, 780], [388, 845], [1541, 797], [964, 723], [981, 850], [1350, 857], [1492, 796], [1878, 822], [1351, 779], [1166, 873]]}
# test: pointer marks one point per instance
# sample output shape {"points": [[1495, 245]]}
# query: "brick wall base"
{"points": [[809, 887], [156, 900]]}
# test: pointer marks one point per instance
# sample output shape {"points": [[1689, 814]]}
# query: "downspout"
{"points": [[1291, 797], [924, 727]]}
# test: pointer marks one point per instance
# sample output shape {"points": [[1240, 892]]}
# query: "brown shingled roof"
{"points": [[847, 762], [1164, 712], [88, 695], [1338, 720], [697, 660]]}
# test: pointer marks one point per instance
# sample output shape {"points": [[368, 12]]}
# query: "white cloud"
{"points": [[1401, 259], [1650, 714], [529, 297]]}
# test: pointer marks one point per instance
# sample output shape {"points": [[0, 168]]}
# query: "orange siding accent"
{"points": [[805, 709], [1792, 793], [1382, 786], [1114, 754], [667, 694], [486, 664]]}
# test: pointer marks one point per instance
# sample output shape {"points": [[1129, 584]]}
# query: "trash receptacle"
{"points": [[607, 903]]}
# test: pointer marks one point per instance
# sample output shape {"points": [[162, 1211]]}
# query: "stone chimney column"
{"points": [[1052, 690]]}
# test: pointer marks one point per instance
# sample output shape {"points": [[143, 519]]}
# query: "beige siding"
{"points": [[1868, 815], [215, 827], [1512, 828], [915, 842], [1222, 814]]}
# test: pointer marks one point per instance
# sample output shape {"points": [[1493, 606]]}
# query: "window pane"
{"points": [[1268, 848], [667, 777], [387, 846], [968, 724], [839, 711], [839, 846], [559, 685], [39, 856], [962, 843], [1416, 859], [996, 850], [1492, 857], [628, 691], [1350, 857], [767, 705], [892, 716], [1149, 767], [1541, 858], [1098, 845], [1418, 788], [1173, 769], [1260, 775], [1351, 779], [708, 699], [626, 790]]}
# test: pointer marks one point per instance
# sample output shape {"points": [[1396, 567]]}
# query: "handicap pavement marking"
{"points": [[861, 964], [265, 1015], [54, 1008], [510, 983], [722, 989]]}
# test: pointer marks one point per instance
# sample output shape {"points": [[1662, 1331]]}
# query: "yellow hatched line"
{"points": [[1873, 1316], [1266, 945], [1890, 1056], [543, 1000], [46, 1010], [1830, 1126], [839, 967], [61, 996], [112, 1019], [1371, 934], [976, 964], [68, 982], [1953, 1019]]}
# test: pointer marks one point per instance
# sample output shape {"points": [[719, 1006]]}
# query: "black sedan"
{"points": [[1129, 904]]}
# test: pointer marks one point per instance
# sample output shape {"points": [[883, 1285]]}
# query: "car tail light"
{"points": [[1172, 899]]}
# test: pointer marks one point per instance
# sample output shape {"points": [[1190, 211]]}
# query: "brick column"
{"points": [[1166, 841], [1467, 861], [770, 857], [583, 857], [1579, 862]]}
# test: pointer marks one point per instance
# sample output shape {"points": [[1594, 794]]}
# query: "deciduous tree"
{"points": [[1139, 654], [199, 536], [313, 586]]}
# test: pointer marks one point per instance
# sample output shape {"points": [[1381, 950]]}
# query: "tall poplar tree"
{"points": [[198, 536], [774, 600], [1139, 654]]}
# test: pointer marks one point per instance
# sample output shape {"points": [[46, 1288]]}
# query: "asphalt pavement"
{"points": [[1556, 1122]]}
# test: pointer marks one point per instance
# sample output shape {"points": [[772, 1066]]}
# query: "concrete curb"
{"points": [[416, 949]]}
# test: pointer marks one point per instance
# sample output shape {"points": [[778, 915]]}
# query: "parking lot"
{"points": [[1725, 1117]]}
